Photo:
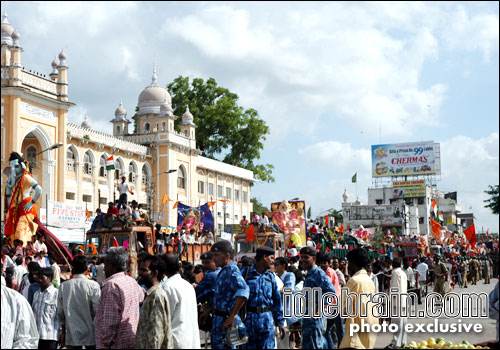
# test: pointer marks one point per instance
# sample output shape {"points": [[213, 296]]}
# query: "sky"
{"points": [[330, 79]]}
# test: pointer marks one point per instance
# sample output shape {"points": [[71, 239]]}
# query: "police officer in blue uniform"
{"points": [[231, 293], [313, 328], [264, 304], [206, 288]]}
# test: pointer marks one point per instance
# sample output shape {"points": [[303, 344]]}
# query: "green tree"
{"points": [[493, 200], [337, 214], [258, 207], [225, 131], [309, 214]]}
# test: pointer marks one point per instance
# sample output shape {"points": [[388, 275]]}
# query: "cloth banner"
{"points": [[470, 233], [199, 218]]}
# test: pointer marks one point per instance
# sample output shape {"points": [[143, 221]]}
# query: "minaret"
{"points": [[120, 123], [53, 76], [62, 80], [188, 127]]}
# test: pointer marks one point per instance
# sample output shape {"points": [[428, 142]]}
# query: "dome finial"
{"points": [[155, 78], [5, 18]]}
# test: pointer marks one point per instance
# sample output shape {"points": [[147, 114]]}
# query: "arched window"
{"points": [[131, 173], [70, 160], [181, 178], [145, 176], [118, 169], [31, 156], [147, 126], [87, 163], [102, 167], [163, 126], [118, 129]]}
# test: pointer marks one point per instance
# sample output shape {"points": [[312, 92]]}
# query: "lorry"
{"points": [[274, 240]]}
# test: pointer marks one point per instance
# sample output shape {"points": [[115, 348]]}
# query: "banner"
{"points": [[66, 215], [413, 158], [290, 218], [408, 189], [64, 234], [199, 218]]}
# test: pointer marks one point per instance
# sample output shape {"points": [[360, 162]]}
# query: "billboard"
{"points": [[408, 189], [400, 159]]}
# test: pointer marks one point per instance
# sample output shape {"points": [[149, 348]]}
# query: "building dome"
{"points": [[152, 97], [86, 123], [16, 35], [187, 117], [166, 109], [7, 30], [62, 55], [120, 112], [55, 63]]}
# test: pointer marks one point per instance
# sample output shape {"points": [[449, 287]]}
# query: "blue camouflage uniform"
{"points": [[312, 328], [264, 293], [289, 280], [228, 286], [206, 288]]}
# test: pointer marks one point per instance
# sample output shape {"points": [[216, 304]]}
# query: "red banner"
{"points": [[435, 226], [470, 233]]}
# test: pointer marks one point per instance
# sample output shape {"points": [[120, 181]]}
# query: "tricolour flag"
{"points": [[354, 177], [434, 207], [110, 163], [441, 217]]}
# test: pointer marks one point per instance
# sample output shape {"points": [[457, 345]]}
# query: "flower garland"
{"points": [[259, 244]]}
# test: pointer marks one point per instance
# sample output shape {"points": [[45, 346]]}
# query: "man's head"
{"points": [[17, 243], [264, 256], [335, 263], [124, 178], [396, 262], [192, 231], [27, 260], [134, 204], [52, 258], [116, 261], [98, 211], [40, 238], [111, 204], [80, 264], [280, 265], [437, 257], [207, 261], [223, 252], [172, 263], [358, 259], [323, 261], [19, 261], [45, 277], [151, 270], [308, 257]]}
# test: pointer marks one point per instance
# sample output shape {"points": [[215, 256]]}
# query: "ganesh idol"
{"points": [[20, 206]]}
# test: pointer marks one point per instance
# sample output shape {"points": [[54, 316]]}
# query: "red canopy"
{"points": [[54, 245]]}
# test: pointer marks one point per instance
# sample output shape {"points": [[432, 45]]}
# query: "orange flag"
{"points": [[470, 233], [250, 235], [341, 229], [88, 214], [94, 249], [131, 192], [326, 220], [212, 203], [435, 226], [165, 199], [175, 205]]}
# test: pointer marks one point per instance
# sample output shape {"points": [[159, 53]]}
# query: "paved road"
{"points": [[488, 324]]}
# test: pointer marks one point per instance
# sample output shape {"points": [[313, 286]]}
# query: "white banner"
{"points": [[66, 215], [64, 234]]}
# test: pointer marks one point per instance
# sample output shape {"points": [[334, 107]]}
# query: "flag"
{"points": [[341, 229], [326, 220], [487, 238], [110, 163], [435, 226], [354, 177], [225, 200], [88, 214], [250, 234], [94, 249], [470, 233], [131, 192], [115, 242], [434, 207], [212, 203], [175, 205], [165, 199], [440, 216]]}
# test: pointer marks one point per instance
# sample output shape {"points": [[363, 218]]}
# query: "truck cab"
{"points": [[134, 239], [273, 240]]}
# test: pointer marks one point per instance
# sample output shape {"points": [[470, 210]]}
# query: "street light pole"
{"points": [[151, 190]]}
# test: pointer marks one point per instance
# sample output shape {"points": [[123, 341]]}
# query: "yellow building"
{"points": [[34, 113]]}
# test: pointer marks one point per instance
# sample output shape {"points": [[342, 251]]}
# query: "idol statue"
{"points": [[20, 206]]}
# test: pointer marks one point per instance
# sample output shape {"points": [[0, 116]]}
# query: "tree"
{"points": [[493, 200], [258, 207], [225, 131], [337, 214], [309, 214]]}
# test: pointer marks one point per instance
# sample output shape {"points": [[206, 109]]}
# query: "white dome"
{"points": [[16, 35], [120, 112], [152, 97], [86, 123], [187, 117], [62, 55], [166, 109], [7, 30], [55, 63]]}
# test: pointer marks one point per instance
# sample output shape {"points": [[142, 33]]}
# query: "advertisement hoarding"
{"points": [[400, 159], [408, 189]]}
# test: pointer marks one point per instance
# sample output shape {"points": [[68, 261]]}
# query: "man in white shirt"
{"points": [[398, 286], [422, 269], [19, 271], [123, 188], [410, 274], [39, 244], [77, 306], [182, 305], [19, 329], [45, 310], [55, 267]]}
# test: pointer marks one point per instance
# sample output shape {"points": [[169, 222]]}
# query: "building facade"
{"points": [[157, 159]]}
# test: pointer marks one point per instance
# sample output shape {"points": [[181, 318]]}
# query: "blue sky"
{"points": [[323, 75]]}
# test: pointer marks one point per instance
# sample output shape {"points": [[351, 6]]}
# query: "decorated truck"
{"points": [[274, 240]]}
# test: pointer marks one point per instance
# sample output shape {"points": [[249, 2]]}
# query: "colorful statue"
{"points": [[20, 206]]}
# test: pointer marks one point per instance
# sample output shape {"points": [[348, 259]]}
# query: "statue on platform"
{"points": [[19, 205]]}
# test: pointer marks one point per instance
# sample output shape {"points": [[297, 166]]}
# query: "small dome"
{"points": [[120, 112], [7, 30], [166, 109], [55, 63], [153, 96], [62, 55], [86, 123], [187, 117], [16, 35]]}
